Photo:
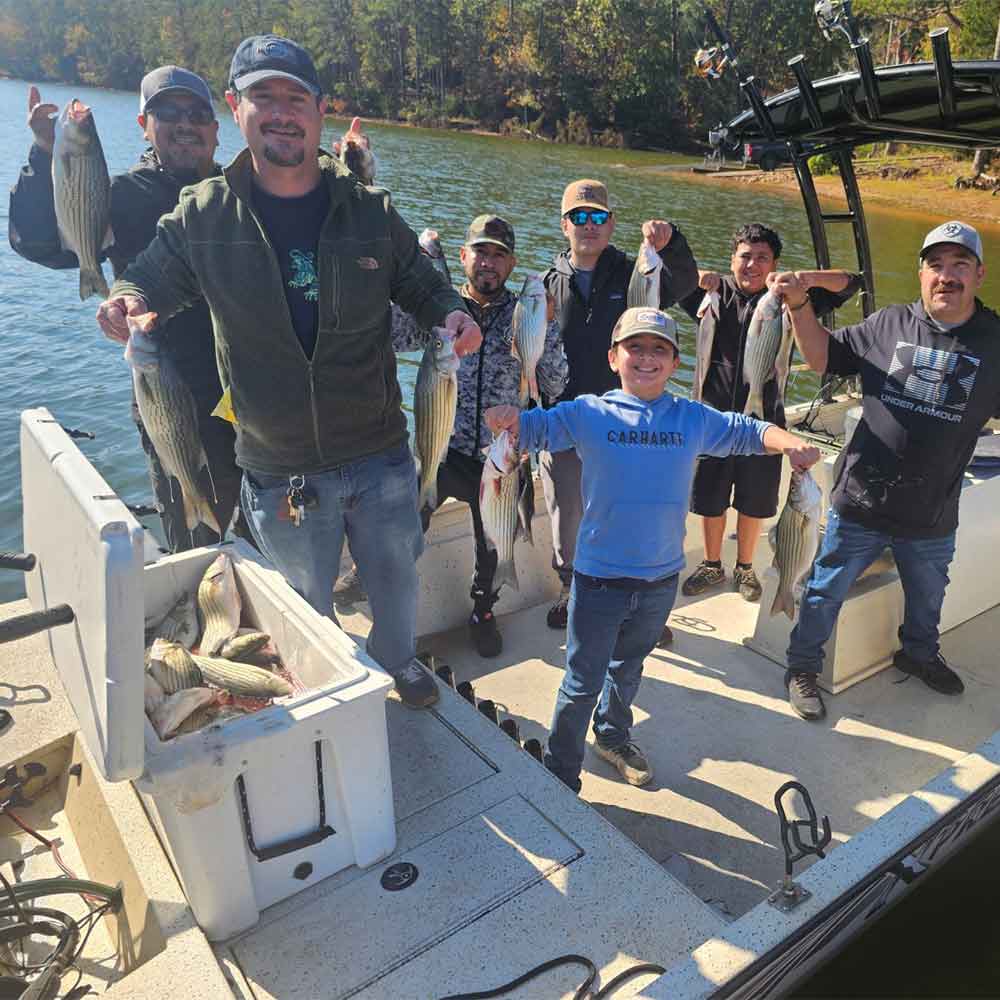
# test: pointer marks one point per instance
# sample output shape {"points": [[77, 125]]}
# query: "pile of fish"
{"points": [[768, 351], [170, 418], [81, 190], [795, 539], [504, 491], [232, 671], [527, 328]]}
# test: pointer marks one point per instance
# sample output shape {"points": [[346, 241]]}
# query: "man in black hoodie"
{"points": [[930, 380], [178, 120], [589, 285]]}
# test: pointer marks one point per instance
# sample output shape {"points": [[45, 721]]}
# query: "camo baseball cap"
{"points": [[167, 79], [490, 229], [954, 232], [641, 319], [584, 194], [263, 57]]}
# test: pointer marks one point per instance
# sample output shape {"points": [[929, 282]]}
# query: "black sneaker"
{"points": [[416, 687], [349, 589], [485, 635], [746, 582], [666, 637], [803, 694], [936, 674], [558, 614], [704, 578], [630, 761]]}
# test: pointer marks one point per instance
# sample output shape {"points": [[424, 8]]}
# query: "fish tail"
{"points": [[197, 510], [784, 600], [525, 533], [505, 573], [755, 405], [525, 391], [92, 283], [533, 388]]}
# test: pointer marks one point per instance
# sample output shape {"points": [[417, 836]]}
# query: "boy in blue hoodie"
{"points": [[638, 445]]}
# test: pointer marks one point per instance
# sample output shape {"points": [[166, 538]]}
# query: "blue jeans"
{"points": [[847, 550], [611, 630], [374, 501]]}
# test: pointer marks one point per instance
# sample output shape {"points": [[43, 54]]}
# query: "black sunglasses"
{"points": [[170, 114], [579, 216]]}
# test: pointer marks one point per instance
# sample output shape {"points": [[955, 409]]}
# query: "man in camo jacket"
{"points": [[490, 377]]}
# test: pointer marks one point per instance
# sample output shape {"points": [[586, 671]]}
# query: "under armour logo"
{"points": [[274, 50]]}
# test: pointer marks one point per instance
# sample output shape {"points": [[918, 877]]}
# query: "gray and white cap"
{"points": [[165, 79], [954, 232]]}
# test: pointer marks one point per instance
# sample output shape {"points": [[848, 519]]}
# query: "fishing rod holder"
{"points": [[789, 893]]}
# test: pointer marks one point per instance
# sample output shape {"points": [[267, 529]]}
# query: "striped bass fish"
{"points": [[527, 328], [644, 285], [499, 490], [220, 605], [82, 193], [435, 401], [795, 539], [430, 243], [768, 339], [170, 418]]}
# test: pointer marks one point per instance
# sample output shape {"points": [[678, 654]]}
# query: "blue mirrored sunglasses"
{"points": [[579, 216]]}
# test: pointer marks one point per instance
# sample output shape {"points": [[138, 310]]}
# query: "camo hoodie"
{"points": [[491, 376]]}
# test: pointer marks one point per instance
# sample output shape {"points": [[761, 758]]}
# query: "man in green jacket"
{"points": [[298, 262]]}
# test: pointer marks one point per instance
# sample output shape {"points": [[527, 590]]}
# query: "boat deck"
{"points": [[712, 717]]}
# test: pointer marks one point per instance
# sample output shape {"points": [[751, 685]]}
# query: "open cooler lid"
{"points": [[89, 550]]}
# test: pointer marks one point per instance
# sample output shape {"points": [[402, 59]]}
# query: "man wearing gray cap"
{"points": [[298, 262], [177, 118], [930, 377]]}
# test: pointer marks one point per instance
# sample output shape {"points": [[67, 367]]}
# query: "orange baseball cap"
{"points": [[584, 194]]}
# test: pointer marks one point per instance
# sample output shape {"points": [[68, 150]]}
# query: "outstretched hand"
{"points": [[502, 418], [787, 285], [658, 233], [40, 120], [468, 336]]}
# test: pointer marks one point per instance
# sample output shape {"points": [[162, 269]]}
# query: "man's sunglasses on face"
{"points": [[170, 114], [580, 216]]}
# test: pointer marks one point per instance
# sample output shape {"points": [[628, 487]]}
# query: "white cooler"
{"points": [[251, 810]]}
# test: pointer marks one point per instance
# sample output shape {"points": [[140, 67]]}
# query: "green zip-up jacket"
{"points": [[295, 414]]}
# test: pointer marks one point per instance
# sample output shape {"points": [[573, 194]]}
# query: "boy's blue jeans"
{"points": [[373, 500], [847, 550], [611, 630]]}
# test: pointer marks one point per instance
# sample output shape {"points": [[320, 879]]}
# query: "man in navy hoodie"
{"points": [[930, 377]]}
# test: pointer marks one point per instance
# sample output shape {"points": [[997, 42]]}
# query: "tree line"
{"points": [[592, 71]]}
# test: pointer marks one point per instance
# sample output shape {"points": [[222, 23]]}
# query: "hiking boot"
{"points": [[484, 634], [559, 612], [803, 694], [349, 589], [936, 674], [630, 761], [416, 687], [746, 582], [703, 578], [666, 637]]}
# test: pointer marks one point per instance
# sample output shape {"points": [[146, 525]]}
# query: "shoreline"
{"points": [[921, 196]]}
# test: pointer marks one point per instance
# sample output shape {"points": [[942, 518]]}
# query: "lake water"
{"points": [[52, 354]]}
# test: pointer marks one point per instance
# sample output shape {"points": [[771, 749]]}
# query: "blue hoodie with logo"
{"points": [[638, 463]]}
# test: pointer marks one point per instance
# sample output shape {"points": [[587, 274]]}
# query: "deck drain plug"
{"points": [[399, 876]]}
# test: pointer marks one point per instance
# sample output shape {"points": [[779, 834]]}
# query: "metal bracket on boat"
{"points": [[790, 894], [295, 843], [12, 785]]}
